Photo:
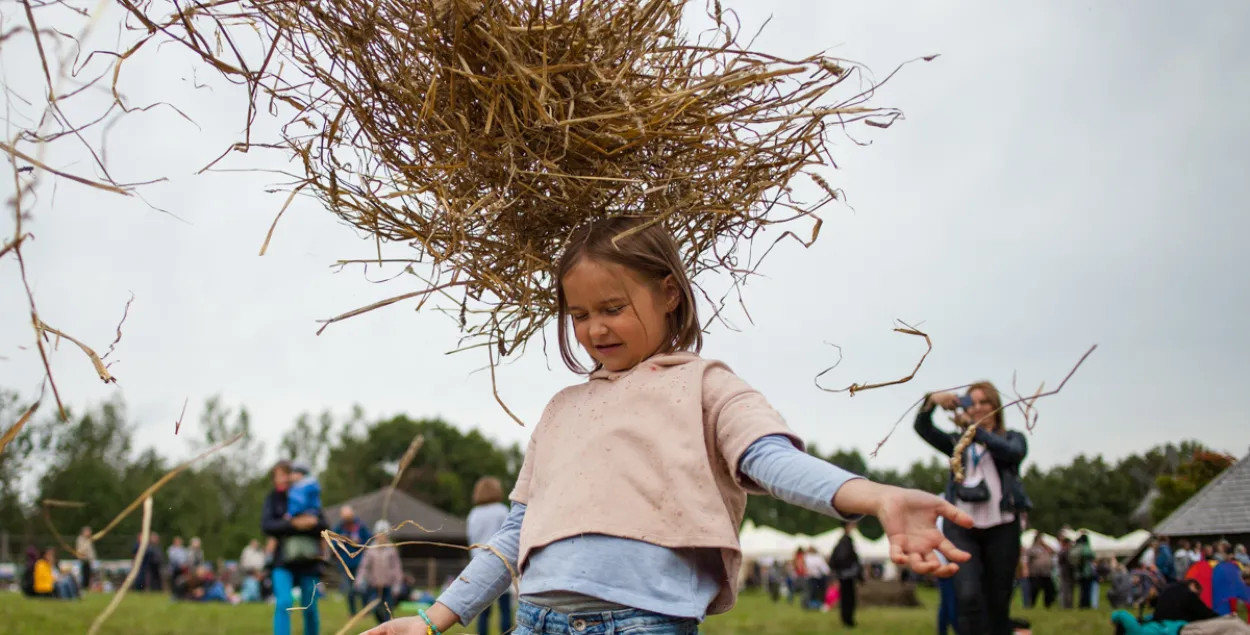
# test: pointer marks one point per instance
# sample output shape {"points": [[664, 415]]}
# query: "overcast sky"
{"points": [[1067, 174]]}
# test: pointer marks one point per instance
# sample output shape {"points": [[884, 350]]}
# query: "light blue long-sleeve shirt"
{"points": [[677, 582]]}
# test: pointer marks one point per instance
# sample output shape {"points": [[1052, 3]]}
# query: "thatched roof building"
{"points": [[1219, 510]]}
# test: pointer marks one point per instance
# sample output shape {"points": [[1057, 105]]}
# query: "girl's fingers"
{"points": [[953, 553], [947, 571], [954, 514], [896, 553], [917, 564]]}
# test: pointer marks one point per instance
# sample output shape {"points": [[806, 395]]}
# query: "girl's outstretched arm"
{"points": [[794, 476], [908, 516]]}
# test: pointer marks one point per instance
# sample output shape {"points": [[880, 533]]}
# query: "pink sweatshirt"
{"points": [[380, 567], [648, 454]]}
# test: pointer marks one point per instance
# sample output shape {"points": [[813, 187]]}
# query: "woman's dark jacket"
{"points": [[1007, 449], [273, 522]]}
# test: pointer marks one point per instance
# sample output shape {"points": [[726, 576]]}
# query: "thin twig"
{"points": [[335, 540], [382, 303], [77, 179], [358, 616], [269, 235], [494, 388], [152, 489], [12, 245], [854, 388], [178, 423], [144, 534], [118, 339], [35, 322], [404, 461], [16, 428], [100, 368], [957, 461]]}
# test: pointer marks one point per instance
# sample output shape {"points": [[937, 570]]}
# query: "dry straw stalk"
{"points": [[481, 133]]}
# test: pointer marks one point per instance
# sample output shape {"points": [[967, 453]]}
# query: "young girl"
{"points": [[626, 511]]}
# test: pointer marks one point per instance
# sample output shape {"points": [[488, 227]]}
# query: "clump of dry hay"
{"points": [[481, 133]]}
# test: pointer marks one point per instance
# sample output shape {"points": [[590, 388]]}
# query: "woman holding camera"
{"points": [[993, 494]]}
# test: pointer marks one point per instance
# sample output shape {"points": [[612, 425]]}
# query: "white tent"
{"points": [[1129, 543], [1028, 536], [759, 542], [765, 542], [1102, 544], [868, 550]]}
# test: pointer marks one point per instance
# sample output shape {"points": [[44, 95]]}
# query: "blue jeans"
{"points": [[66, 588], [505, 616], [535, 620], [948, 606], [283, 583]]}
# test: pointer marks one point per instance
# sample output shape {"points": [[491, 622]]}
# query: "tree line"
{"points": [[92, 462]]}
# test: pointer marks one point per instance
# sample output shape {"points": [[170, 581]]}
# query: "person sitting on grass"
{"points": [[208, 588], [250, 590], [1180, 610], [49, 582]]}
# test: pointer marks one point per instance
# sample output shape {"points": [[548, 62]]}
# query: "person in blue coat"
{"points": [[295, 569], [1165, 562], [350, 527]]}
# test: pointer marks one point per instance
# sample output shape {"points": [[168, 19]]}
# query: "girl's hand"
{"points": [[909, 518], [400, 626], [442, 616]]}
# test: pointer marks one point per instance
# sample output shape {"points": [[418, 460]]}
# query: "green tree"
{"points": [[86, 459], [309, 442], [442, 473], [15, 465], [232, 482], [1191, 476]]}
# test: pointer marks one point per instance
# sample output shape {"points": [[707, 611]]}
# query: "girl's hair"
{"points": [[651, 253], [995, 399], [487, 490]]}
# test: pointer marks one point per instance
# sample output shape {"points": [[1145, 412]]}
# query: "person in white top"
{"points": [[85, 547], [252, 560], [484, 520], [817, 577], [992, 493]]}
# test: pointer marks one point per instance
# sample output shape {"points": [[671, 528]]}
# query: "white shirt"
{"points": [[979, 467], [253, 559], [816, 565]]}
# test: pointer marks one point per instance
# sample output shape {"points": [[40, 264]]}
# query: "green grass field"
{"points": [[755, 615]]}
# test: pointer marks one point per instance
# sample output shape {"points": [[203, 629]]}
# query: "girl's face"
{"points": [[982, 408], [617, 317]]}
